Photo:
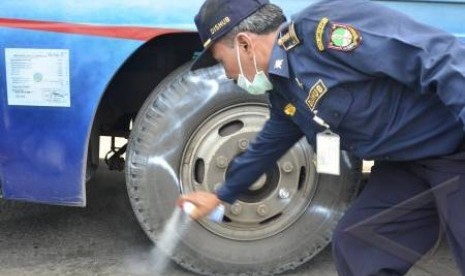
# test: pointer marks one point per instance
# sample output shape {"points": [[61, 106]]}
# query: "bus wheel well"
{"points": [[134, 81]]}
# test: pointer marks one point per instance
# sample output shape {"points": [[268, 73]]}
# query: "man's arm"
{"points": [[278, 135]]}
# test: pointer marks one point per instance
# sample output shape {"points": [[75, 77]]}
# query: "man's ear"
{"points": [[245, 44]]}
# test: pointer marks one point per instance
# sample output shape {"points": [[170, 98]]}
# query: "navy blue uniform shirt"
{"points": [[392, 88]]}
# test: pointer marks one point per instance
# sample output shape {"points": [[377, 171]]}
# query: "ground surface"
{"points": [[104, 239]]}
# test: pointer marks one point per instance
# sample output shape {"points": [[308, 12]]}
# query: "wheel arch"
{"points": [[134, 81]]}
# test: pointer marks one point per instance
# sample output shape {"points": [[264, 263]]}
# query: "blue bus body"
{"points": [[45, 141]]}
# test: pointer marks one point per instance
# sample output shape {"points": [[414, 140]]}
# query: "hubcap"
{"points": [[276, 200]]}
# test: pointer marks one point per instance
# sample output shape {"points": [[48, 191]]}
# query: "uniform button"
{"points": [[351, 147], [336, 114], [387, 157]]}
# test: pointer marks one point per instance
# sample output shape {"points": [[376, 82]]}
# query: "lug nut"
{"points": [[284, 193], [236, 209], [243, 144], [288, 167], [263, 210], [221, 162]]}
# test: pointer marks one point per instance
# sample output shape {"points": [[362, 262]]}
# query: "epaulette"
{"points": [[288, 38]]}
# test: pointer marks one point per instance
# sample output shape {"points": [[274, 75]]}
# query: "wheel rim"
{"points": [[274, 201]]}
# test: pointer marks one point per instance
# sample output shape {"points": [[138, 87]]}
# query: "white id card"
{"points": [[328, 146]]}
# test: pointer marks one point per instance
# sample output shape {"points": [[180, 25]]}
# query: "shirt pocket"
{"points": [[334, 107]]}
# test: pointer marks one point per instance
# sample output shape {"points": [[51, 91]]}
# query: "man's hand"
{"points": [[204, 201]]}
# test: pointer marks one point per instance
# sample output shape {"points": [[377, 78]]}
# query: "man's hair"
{"points": [[265, 20]]}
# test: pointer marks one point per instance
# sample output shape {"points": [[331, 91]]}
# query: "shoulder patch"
{"points": [[344, 37], [320, 32], [317, 91]]}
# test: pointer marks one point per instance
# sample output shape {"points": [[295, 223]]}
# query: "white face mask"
{"points": [[260, 83]]}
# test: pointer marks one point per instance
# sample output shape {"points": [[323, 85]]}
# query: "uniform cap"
{"points": [[216, 18]]}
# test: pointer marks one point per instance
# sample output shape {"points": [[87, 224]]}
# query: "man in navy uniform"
{"points": [[366, 78]]}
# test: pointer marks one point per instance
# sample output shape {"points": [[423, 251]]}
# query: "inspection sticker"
{"points": [[38, 77]]}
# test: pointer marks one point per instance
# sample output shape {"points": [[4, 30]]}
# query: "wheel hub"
{"points": [[258, 184], [274, 201]]}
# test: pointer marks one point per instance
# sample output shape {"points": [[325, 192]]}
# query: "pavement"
{"points": [[105, 239]]}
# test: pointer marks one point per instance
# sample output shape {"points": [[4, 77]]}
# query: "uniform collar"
{"points": [[278, 62]]}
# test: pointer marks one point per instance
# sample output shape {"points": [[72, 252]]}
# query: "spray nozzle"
{"points": [[216, 215]]}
